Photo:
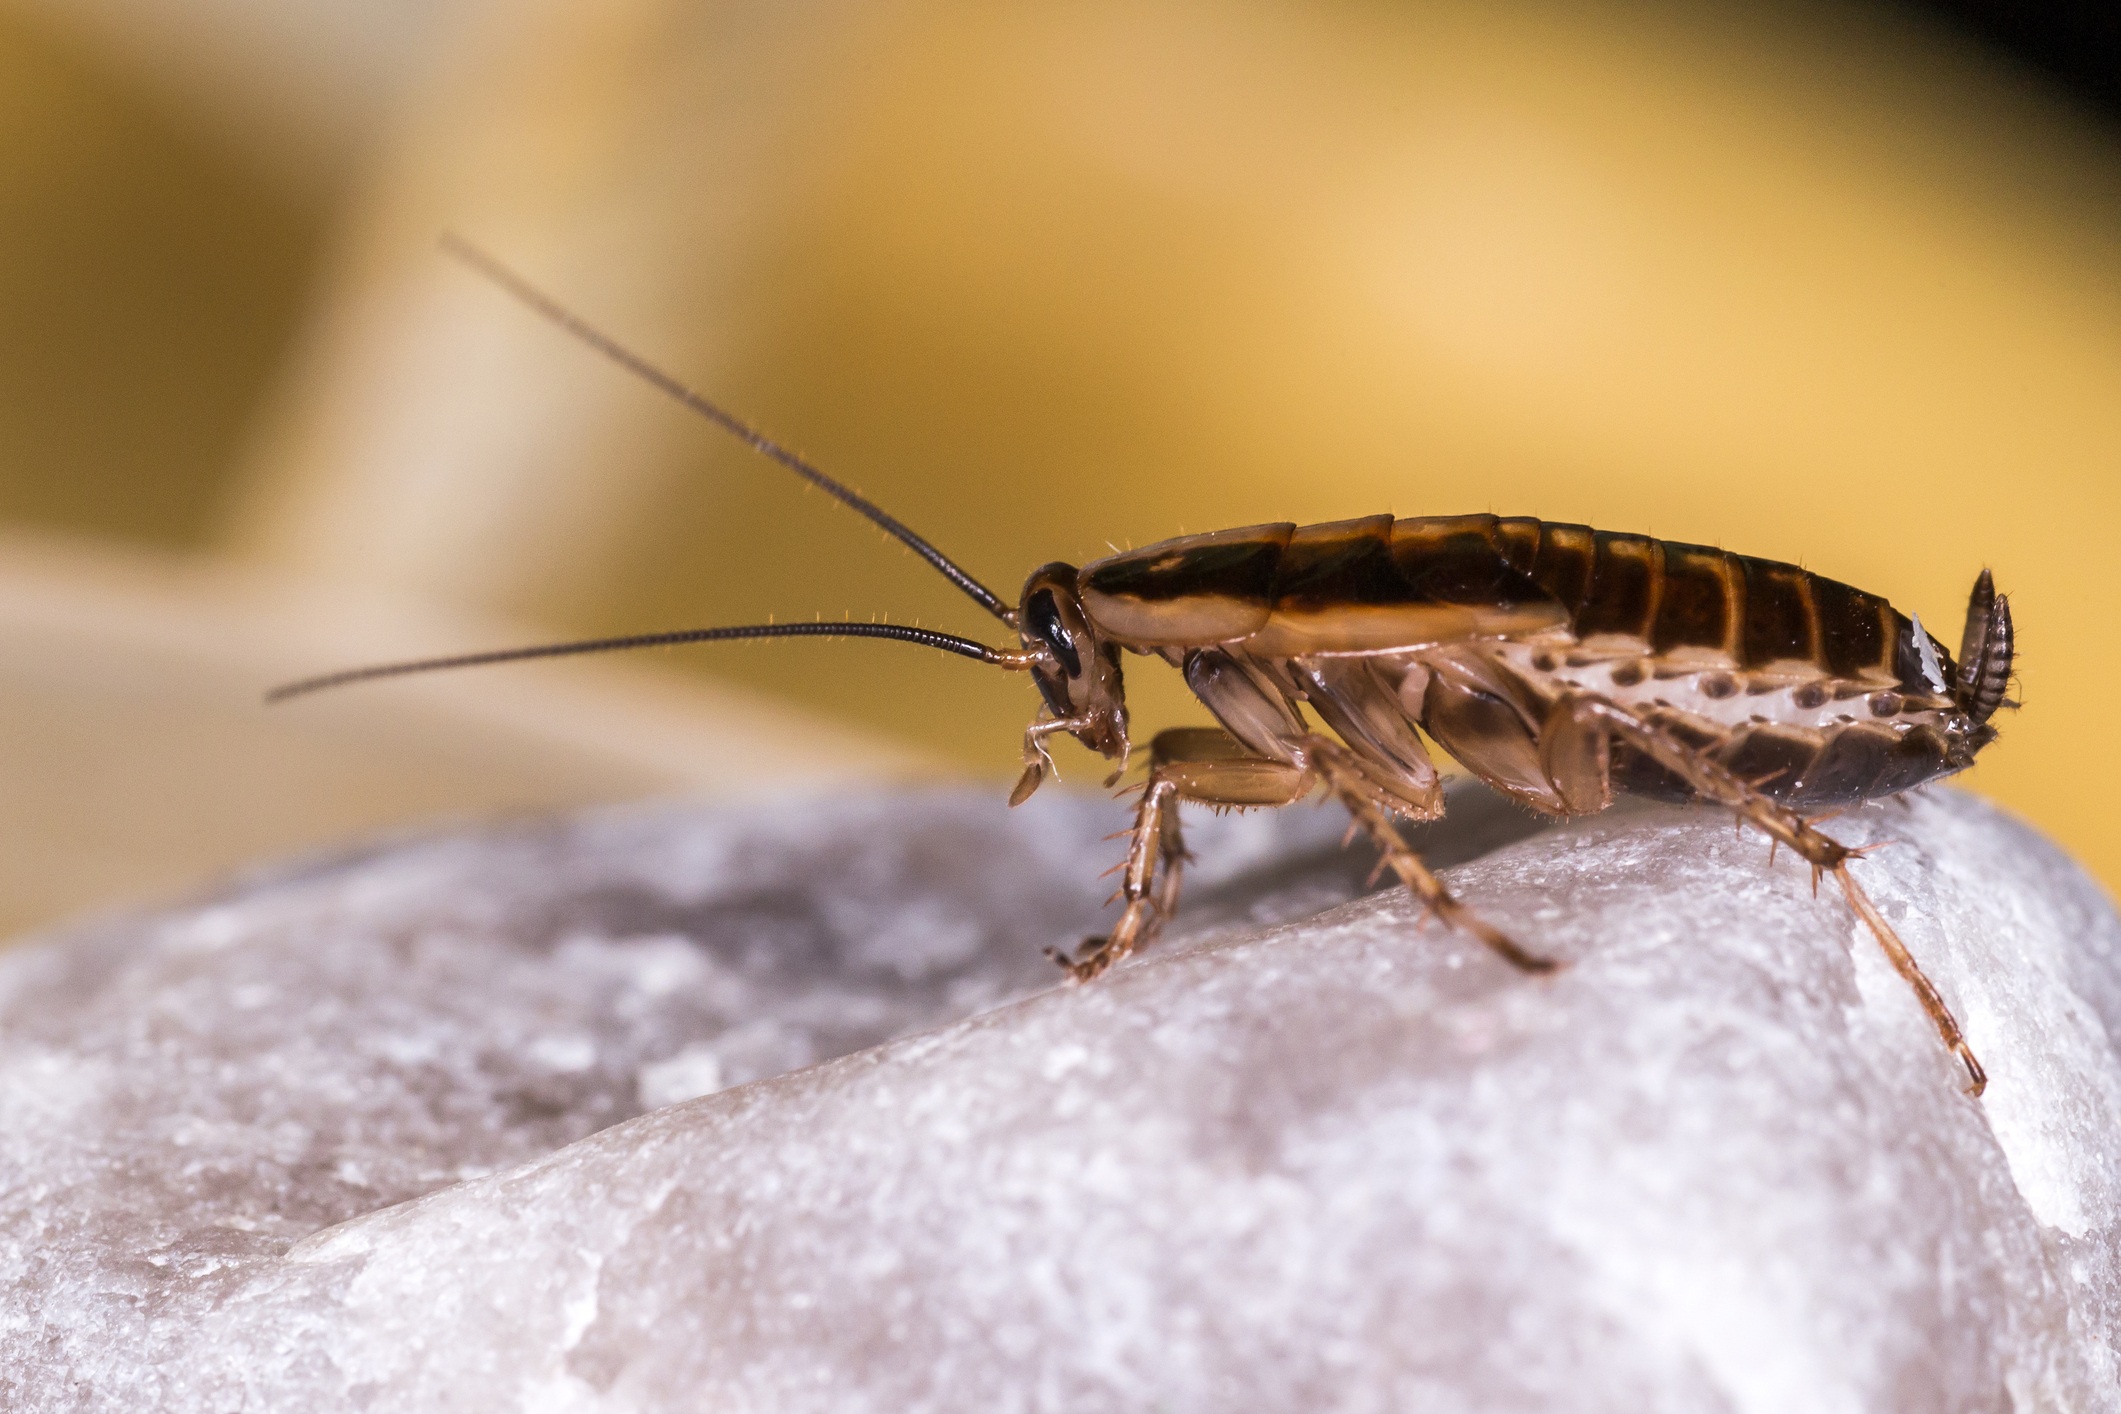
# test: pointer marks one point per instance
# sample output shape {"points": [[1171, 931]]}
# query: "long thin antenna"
{"points": [[927, 638], [758, 441]]}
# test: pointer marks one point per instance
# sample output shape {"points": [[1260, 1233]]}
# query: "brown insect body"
{"points": [[1813, 691], [1559, 664]]}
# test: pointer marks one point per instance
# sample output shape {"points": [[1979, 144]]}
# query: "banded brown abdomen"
{"points": [[1377, 584], [1813, 690], [1696, 602]]}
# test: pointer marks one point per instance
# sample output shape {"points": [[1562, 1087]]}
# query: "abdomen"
{"points": [[1378, 584]]}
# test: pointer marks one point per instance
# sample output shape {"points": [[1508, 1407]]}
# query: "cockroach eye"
{"points": [[1046, 625]]}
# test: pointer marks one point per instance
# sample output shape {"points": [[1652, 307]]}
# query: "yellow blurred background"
{"points": [[1819, 282]]}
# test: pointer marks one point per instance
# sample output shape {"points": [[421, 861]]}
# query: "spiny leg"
{"points": [[1345, 775], [1188, 763], [1151, 897], [1713, 781]]}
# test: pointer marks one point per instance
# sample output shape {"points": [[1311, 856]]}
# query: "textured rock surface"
{"points": [[349, 1137]]}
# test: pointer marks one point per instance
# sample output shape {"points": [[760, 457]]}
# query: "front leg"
{"points": [[1187, 763], [1713, 781], [1038, 762]]}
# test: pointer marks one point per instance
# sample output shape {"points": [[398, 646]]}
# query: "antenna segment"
{"points": [[927, 638], [743, 431]]}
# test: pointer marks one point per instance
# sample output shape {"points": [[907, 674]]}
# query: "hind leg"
{"points": [[1200, 764], [1713, 781]]}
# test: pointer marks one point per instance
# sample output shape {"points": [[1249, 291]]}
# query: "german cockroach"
{"points": [[1558, 664]]}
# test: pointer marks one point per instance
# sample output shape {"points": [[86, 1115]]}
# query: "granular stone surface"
{"points": [[678, 1108]]}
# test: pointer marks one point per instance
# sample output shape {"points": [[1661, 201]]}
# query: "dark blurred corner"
{"points": [[2074, 44]]}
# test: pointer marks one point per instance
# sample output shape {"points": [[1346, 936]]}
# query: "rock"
{"points": [[678, 1109]]}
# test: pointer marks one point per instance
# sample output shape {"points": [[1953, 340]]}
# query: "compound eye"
{"points": [[1044, 621]]}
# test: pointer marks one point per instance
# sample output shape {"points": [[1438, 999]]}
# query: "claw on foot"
{"points": [[1974, 1072], [1904, 963], [1511, 953], [1088, 963]]}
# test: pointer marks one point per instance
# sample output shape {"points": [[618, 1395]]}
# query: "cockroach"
{"points": [[1557, 663]]}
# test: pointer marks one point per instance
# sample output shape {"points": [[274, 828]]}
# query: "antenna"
{"points": [[927, 638], [729, 422]]}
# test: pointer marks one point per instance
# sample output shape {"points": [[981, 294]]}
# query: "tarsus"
{"points": [[729, 422]]}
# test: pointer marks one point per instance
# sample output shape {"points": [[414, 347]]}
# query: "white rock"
{"points": [[366, 1134]]}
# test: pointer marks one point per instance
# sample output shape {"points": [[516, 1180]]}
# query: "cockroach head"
{"points": [[1078, 669]]}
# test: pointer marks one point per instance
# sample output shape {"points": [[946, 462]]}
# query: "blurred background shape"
{"points": [[1831, 282]]}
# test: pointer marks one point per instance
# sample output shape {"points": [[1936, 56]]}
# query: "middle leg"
{"points": [[1371, 803]]}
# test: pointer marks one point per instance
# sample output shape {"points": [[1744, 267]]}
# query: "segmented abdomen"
{"points": [[1376, 583], [1675, 596]]}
